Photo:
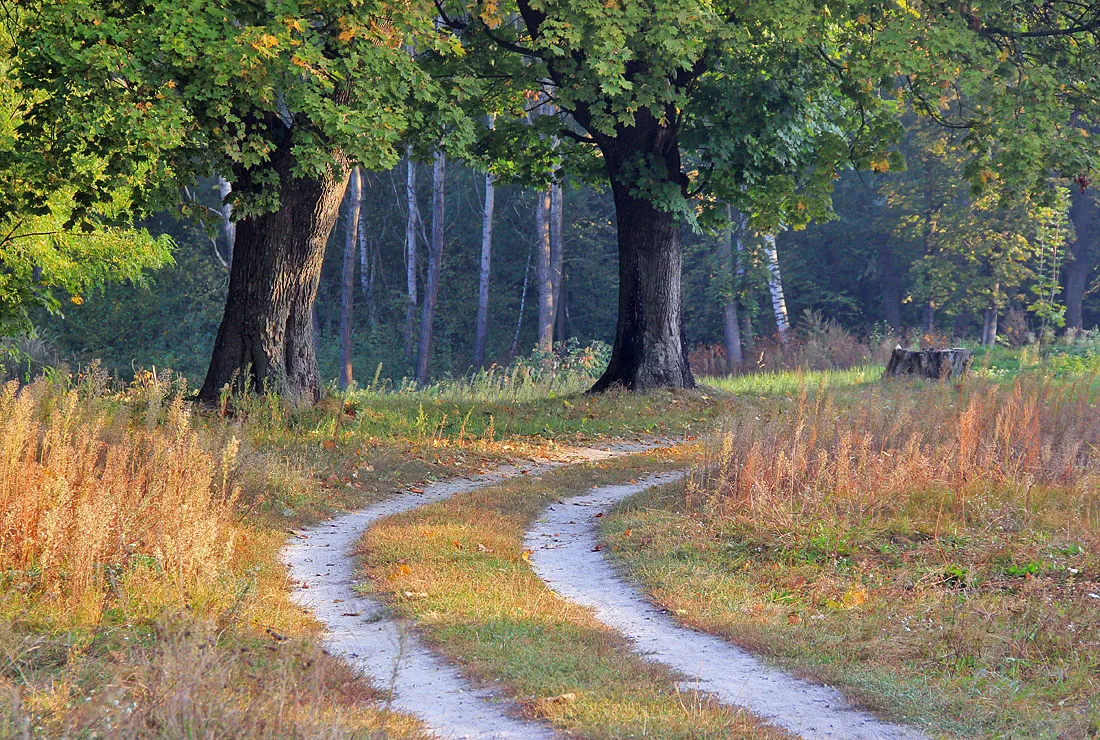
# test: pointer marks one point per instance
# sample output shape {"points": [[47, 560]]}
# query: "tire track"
{"points": [[566, 556]]}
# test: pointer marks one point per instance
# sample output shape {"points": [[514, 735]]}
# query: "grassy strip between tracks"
{"points": [[459, 569]]}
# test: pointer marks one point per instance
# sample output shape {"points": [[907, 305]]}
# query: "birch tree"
{"points": [[775, 288], [485, 270]]}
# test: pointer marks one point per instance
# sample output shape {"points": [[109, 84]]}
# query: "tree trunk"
{"points": [[775, 285], [368, 266], [482, 327], [649, 349], [727, 272], [543, 274], [229, 228], [435, 267], [265, 340], [557, 251], [928, 316], [989, 327], [890, 284], [347, 283], [933, 364], [522, 305], [561, 304], [411, 220], [1082, 212]]}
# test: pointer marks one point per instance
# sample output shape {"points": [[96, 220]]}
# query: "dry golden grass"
{"points": [[933, 550], [140, 593], [92, 508], [870, 457]]}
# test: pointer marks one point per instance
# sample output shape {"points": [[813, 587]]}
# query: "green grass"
{"points": [[785, 382]]}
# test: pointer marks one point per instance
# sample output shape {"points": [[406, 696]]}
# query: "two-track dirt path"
{"points": [[361, 629], [565, 555]]}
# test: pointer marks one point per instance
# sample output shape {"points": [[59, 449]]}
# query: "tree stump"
{"points": [[934, 364]]}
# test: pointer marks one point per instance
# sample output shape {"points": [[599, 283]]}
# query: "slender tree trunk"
{"points": [[929, 318], [265, 340], [561, 309], [557, 249], [543, 273], [347, 283], [435, 267], [890, 284], [364, 250], [411, 222], [775, 286], [229, 227], [989, 327], [1083, 214], [746, 332], [368, 267], [482, 326], [522, 305], [727, 269], [649, 349]]}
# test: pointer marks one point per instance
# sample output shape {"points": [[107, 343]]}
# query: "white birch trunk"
{"points": [[482, 328], [775, 285], [229, 226]]}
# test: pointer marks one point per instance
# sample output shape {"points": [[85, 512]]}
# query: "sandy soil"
{"points": [[565, 556], [360, 628]]}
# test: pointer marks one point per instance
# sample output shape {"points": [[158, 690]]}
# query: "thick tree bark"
{"points": [[265, 341], [481, 330], [932, 364], [775, 286], [649, 350], [411, 222], [544, 274], [728, 270], [347, 282], [435, 267], [1083, 214]]}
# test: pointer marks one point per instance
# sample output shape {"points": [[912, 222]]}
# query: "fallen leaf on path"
{"points": [[597, 548], [351, 614], [526, 555], [401, 570]]}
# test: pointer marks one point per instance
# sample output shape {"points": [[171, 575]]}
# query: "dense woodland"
{"points": [[425, 190], [866, 270]]}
